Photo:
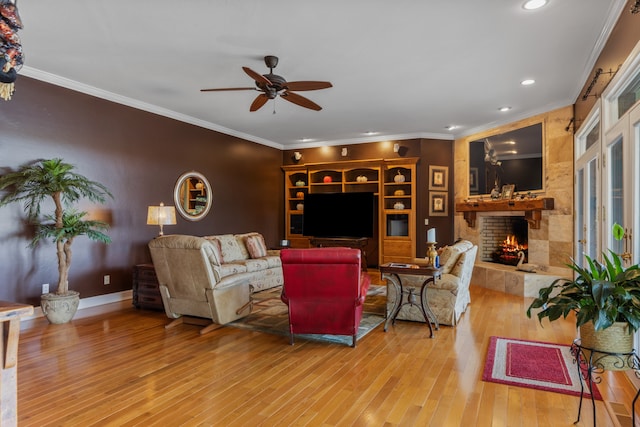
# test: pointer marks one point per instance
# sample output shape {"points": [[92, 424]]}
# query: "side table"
{"points": [[146, 289], [392, 272], [10, 314], [590, 366]]}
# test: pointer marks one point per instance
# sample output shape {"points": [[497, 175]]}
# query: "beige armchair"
{"points": [[189, 287], [448, 297]]}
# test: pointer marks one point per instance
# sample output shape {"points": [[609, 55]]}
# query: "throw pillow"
{"points": [[230, 248], [256, 246], [456, 270], [242, 243], [449, 256], [217, 249]]}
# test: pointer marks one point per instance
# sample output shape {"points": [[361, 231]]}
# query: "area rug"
{"points": [[270, 315], [534, 364]]}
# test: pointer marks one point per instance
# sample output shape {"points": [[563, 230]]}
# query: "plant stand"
{"points": [[589, 363]]}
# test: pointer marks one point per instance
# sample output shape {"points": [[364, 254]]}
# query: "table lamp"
{"points": [[161, 215]]}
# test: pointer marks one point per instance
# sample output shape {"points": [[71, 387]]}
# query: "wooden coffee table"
{"points": [[391, 272]]}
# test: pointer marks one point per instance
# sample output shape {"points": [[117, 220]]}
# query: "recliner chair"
{"points": [[184, 267], [325, 290]]}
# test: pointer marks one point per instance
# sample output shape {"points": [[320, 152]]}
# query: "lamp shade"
{"points": [[161, 215]]}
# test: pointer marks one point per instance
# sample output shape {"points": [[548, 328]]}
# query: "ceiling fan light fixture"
{"points": [[534, 4], [272, 85]]}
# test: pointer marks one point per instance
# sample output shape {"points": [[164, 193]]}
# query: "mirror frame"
{"points": [[177, 199], [501, 132]]}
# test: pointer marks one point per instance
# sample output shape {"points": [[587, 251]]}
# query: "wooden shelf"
{"points": [[532, 209]]}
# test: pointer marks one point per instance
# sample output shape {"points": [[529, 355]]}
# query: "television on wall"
{"points": [[346, 215]]}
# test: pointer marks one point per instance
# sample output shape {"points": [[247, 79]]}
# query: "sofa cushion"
{"points": [[448, 282], [230, 247], [256, 246], [256, 264], [229, 269]]}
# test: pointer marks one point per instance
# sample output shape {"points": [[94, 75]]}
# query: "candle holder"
{"points": [[432, 254]]}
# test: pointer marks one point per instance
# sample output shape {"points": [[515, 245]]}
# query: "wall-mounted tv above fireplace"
{"points": [[339, 215]]}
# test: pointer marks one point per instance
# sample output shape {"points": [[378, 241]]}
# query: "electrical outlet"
{"points": [[45, 288], [426, 221], [107, 279]]}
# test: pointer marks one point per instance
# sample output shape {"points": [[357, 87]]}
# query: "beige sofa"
{"points": [[448, 296], [213, 277], [247, 253]]}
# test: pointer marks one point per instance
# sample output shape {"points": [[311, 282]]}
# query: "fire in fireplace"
{"points": [[502, 237], [507, 252]]}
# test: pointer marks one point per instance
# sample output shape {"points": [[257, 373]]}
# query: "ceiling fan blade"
{"points": [[227, 88], [301, 101], [310, 85], [258, 102], [259, 78]]}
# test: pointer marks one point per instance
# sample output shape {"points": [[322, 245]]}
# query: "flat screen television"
{"points": [[339, 215]]}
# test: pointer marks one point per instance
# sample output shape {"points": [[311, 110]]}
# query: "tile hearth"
{"points": [[505, 278]]}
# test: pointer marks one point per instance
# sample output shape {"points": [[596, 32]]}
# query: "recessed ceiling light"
{"points": [[503, 109], [306, 139], [451, 127], [527, 82], [534, 4], [371, 133]]}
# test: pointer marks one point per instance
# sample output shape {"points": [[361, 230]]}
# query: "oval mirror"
{"points": [[192, 196]]}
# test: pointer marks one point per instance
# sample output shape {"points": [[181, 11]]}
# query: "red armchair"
{"points": [[325, 290]]}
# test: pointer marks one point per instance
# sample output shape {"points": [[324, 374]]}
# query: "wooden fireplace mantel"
{"points": [[532, 209]]}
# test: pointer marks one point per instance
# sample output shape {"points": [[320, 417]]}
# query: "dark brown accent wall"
{"points": [[138, 156]]}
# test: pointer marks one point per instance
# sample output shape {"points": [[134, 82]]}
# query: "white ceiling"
{"points": [[405, 69]]}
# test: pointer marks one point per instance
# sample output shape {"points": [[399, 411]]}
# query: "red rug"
{"points": [[534, 364]]}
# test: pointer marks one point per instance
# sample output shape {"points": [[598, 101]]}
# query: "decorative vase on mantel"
{"points": [[59, 309], [614, 339]]}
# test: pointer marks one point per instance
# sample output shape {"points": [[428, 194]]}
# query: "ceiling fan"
{"points": [[271, 85]]}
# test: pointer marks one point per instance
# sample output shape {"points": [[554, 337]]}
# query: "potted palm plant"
{"points": [[36, 183], [605, 298]]}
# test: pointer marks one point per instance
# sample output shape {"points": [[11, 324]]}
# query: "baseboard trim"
{"points": [[90, 302]]}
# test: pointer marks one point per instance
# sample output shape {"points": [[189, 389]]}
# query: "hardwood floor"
{"points": [[122, 368]]}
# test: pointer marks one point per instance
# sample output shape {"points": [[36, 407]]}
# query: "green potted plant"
{"points": [[605, 298], [37, 183]]}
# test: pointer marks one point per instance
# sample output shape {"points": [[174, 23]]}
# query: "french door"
{"points": [[617, 183], [587, 190]]}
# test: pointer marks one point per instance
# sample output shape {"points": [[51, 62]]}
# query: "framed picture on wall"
{"points": [[438, 178], [473, 180], [507, 191], [438, 203]]}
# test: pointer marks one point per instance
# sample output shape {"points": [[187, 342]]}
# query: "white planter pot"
{"points": [[60, 309]]}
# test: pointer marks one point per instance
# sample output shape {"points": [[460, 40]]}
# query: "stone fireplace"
{"points": [[549, 231], [492, 229]]}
